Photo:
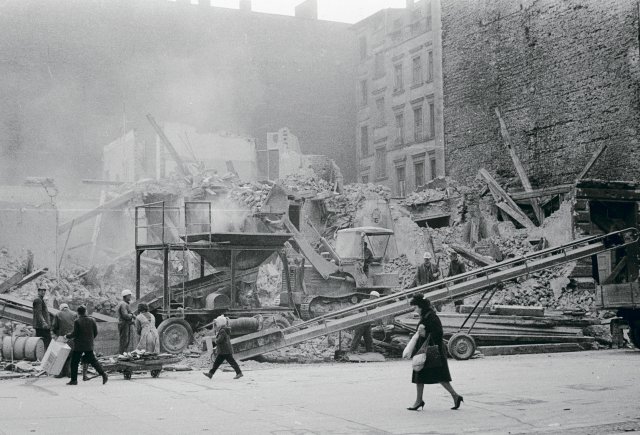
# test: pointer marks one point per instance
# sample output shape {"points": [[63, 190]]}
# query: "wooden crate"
{"points": [[625, 295]]}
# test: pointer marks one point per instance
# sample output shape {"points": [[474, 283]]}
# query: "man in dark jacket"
{"points": [[84, 331], [456, 268], [41, 317], [426, 272], [61, 326], [225, 350]]}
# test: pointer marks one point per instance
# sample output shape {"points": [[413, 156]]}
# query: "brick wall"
{"points": [[565, 76]]}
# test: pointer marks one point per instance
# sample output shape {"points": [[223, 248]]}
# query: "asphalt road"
{"points": [[581, 393]]}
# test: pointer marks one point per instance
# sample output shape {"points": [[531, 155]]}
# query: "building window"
{"points": [[428, 18], [378, 70], [364, 93], [381, 163], [429, 66], [418, 170], [398, 83], [400, 177], [399, 128], [364, 141], [432, 165], [365, 179], [363, 47], [432, 121], [416, 22], [380, 111], [417, 70], [417, 124]]}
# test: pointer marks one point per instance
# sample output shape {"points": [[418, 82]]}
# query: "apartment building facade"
{"points": [[399, 97]]}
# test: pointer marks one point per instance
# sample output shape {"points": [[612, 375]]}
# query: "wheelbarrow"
{"points": [[127, 367]]}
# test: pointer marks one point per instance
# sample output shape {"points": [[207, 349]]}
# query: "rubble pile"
{"points": [[252, 195]]}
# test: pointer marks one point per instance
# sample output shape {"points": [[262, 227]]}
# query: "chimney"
{"points": [[307, 9], [245, 5]]}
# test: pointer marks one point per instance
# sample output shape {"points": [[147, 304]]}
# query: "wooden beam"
{"points": [[102, 182], [616, 271], [473, 256], [109, 205], [522, 174], [502, 197], [511, 213], [608, 194], [12, 281], [549, 191], [182, 168], [591, 161]]}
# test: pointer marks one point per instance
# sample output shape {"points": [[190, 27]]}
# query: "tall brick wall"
{"points": [[565, 76], [74, 71]]}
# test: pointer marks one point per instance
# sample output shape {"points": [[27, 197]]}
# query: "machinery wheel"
{"points": [[175, 335], [127, 375], [461, 346], [155, 373]]}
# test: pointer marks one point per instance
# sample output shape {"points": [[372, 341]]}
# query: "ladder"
{"points": [[456, 287]]}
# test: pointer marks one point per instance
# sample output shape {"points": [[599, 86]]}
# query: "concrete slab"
{"points": [[565, 392]]}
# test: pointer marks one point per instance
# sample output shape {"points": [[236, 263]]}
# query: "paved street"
{"points": [[586, 392]]}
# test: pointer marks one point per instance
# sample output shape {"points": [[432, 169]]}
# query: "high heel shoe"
{"points": [[458, 401], [415, 408]]}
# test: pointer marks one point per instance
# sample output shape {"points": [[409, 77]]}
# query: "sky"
{"points": [[347, 11]]}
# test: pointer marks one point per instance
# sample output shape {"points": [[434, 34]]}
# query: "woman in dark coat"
{"points": [[430, 325]]}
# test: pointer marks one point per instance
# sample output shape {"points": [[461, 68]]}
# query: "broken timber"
{"points": [[539, 193], [591, 161], [524, 179], [182, 168], [109, 205], [473, 256], [503, 199]]}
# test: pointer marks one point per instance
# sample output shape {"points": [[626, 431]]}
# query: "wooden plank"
{"points": [[473, 256], [522, 174], [608, 194], [109, 205], [501, 196], [33, 275], [513, 213], [591, 161], [13, 280], [538, 193], [519, 349]]}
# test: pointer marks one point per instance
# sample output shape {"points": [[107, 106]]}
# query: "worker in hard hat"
{"points": [[367, 256], [364, 331], [425, 273], [126, 323]]}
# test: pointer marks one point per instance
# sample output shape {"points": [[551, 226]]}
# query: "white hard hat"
{"points": [[126, 292], [221, 321], [63, 306], [427, 256], [374, 294]]}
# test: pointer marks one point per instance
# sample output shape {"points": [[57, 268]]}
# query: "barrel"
{"points": [[34, 349], [24, 348], [18, 347]]}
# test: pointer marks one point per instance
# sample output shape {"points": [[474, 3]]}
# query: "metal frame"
{"points": [[168, 246]]}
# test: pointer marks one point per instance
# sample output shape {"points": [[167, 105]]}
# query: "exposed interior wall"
{"points": [[565, 76]]}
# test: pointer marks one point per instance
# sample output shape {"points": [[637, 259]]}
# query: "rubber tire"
{"points": [[461, 346], [127, 375], [175, 335], [155, 373]]}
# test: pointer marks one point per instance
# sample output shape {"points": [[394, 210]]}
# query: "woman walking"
{"points": [[431, 328], [146, 328]]}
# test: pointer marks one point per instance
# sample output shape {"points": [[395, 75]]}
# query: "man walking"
{"points": [[364, 331], [126, 323], [41, 317], [61, 326], [224, 348], [84, 332]]}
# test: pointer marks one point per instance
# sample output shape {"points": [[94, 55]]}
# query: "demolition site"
{"points": [[184, 184]]}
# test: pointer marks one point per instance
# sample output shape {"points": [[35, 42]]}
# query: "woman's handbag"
{"points": [[427, 356]]}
